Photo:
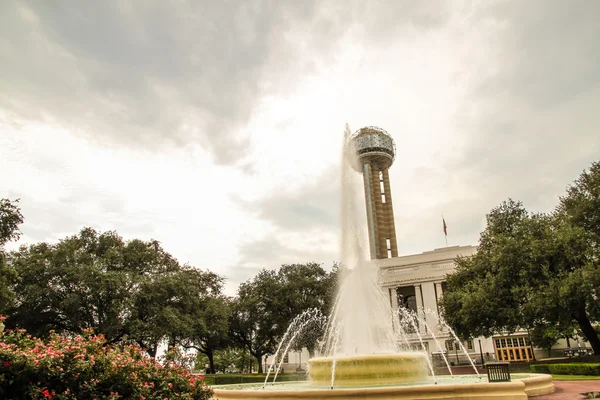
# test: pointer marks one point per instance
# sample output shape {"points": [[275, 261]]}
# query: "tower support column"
{"points": [[371, 212], [380, 212], [382, 228], [389, 213]]}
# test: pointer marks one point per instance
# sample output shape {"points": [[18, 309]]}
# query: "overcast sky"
{"points": [[215, 126]]}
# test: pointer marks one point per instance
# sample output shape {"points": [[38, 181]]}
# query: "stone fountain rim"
{"points": [[520, 388], [374, 356]]}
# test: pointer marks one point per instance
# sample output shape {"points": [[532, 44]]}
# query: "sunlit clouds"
{"points": [[216, 128]]}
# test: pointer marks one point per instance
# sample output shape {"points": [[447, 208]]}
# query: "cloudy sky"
{"points": [[215, 126]]}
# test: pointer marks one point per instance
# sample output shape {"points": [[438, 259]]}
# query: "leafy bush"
{"points": [[540, 368], [575, 369], [86, 367], [567, 369], [232, 379]]}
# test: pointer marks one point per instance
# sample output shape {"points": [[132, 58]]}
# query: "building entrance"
{"points": [[513, 348]]}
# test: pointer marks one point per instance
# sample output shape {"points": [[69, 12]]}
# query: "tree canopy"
{"points": [[267, 304], [131, 290], [533, 270], [10, 219]]}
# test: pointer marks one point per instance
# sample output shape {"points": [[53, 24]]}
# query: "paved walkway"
{"points": [[571, 390]]}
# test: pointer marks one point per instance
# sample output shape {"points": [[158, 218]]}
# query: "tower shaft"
{"points": [[380, 213]]}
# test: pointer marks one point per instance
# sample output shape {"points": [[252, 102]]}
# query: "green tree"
{"points": [[307, 287], [131, 290], [324, 293], [581, 204], [479, 299], [302, 286], [255, 322], [84, 281], [266, 305], [529, 270], [580, 207], [226, 360], [174, 305], [545, 336], [205, 317], [10, 219]]}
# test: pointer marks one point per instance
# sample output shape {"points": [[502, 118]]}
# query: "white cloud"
{"points": [[223, 140]]}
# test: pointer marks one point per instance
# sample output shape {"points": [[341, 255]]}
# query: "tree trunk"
{"points": [[588, 330], [153, 350], [211, 361], [260, 366]]}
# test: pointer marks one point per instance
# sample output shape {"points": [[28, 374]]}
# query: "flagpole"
{"points": [[445, 230]]}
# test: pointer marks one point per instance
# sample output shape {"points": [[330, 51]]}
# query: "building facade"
{"points": [[417, 283]]}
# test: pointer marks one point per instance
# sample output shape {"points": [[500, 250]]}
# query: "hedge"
{"points": [[540, 368], [234, 379], [592, 369]]}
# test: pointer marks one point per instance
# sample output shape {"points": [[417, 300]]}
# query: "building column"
{"points": [[395, 309], [419, 298], [438, 295], [394, 295]]}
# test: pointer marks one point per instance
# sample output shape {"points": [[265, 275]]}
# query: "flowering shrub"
{"points": [[85, 367]]}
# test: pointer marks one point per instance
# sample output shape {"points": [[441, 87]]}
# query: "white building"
{"points": [[418, 282]]}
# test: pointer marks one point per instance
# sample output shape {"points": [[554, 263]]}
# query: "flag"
{"points": [[444, 225]]}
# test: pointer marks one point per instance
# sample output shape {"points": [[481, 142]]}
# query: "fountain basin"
{"points": [[519, 389], [372, 369]]}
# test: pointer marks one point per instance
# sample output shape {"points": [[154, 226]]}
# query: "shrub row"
{"points": [[592, 369], [234, 379]]}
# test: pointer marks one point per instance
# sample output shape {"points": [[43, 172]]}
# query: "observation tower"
{"points": [[371, 151]]}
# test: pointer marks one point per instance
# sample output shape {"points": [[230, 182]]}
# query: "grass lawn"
{"points": [[575, 377]]}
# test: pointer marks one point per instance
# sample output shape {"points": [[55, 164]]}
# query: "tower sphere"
{"points": [[371, 144]]}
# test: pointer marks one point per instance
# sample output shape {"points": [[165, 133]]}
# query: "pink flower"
{"points": [[6, 364]]}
